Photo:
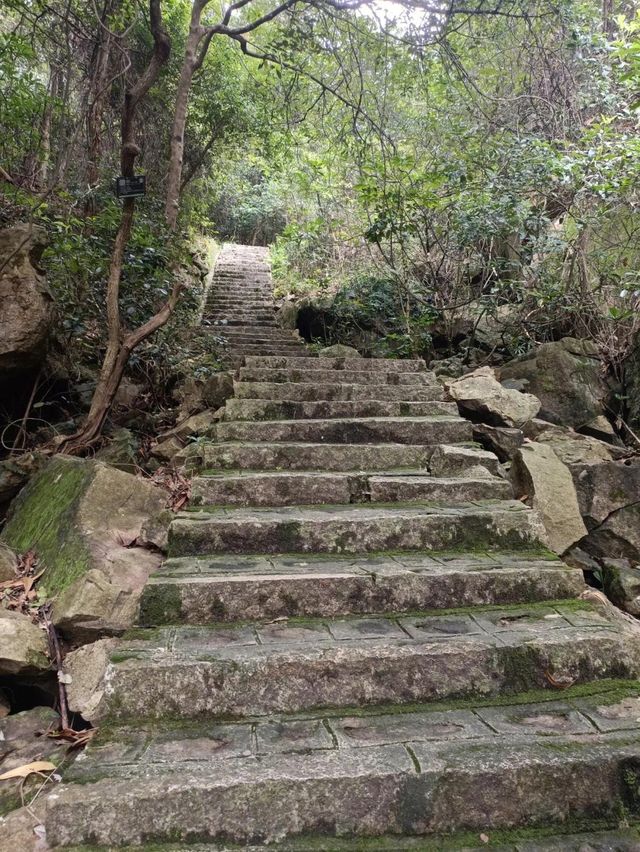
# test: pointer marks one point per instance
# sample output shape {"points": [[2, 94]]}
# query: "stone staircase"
{"points": [[240, 306], [357, 640]]}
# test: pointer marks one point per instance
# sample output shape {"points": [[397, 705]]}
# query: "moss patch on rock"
{"points": [[43, 519]]}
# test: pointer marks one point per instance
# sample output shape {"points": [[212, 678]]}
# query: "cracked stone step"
{"points": [[262, 409], [320, 375], [248, 455], [290, 488], [364, 430], [505, 524], [302, 391], [380, 365], [227, 588], [386, 774], [287, 667]]}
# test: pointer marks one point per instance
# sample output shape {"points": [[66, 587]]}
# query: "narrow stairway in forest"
{"points": [[357, 634], [240, 307]]}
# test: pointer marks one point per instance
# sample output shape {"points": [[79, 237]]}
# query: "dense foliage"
{"points": [[411, 175]]}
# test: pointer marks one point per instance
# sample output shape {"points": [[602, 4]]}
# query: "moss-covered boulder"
{"points": [[23, 645], [609, 498], [566, 376], [82, 518]]}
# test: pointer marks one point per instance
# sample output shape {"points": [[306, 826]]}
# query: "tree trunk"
{"points": [[120, 347], [193, 58], [97, 96]]}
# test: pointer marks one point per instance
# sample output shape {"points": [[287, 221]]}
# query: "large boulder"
{"points": [[85, 669], [545, 482], [482, 398], [609, 500], [198, 394], [566, 376], [27, 303], [24, 740], [339, 350], [23, 645], [570, 446], [82, 518]]}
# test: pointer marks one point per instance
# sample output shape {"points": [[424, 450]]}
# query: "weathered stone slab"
{"points": [[308, 456], [308, 488], [307, 391], [203, 672], [257, 409], [375, 365], [365, 430], [454, 461], [201, 591], [540, 476], [303, 372], [396, 790], [343, 529]]}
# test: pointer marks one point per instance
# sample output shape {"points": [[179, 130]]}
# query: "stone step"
{"points": [[304, 391], [221, 322], [290, 488], [345, 529], [288, 667], [345, 782], [331, 457], [240, 588], [262, 409], [379, 365], [319, 375], [273, 348], [365, 430]]}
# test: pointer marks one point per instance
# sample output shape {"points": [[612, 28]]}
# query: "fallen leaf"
{"points": [[28, 769], [563, 683], [484, 838]]}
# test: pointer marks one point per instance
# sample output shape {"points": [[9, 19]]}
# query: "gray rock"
{"points": [[482, 398], [86, 668], [195, 395], [23, 645], [8, 563], [339, 350], [498, 439], [287, 316], [540, 476], [121, 451], [621, 581], [609, 500], [447, 367], [81, 517], [23, 740], [27, 303], [566, 376]]}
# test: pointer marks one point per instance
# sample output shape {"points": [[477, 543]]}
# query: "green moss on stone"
{"points": [[161, 603], [43, 519]]}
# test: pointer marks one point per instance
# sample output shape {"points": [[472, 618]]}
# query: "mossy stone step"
{"points": [[355, 529], [245, 588], [304, 391], [291, 488], [284, 667], [434, 429], [375, 365], [262, 409], [291, 456], [299, 371], [306, 782]]}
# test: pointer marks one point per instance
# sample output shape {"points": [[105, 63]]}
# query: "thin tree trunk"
{"points": [[194, 54], [97, 97], [120, 347]]}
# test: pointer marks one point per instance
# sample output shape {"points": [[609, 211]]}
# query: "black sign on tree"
{"points": [[130, 187]]}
